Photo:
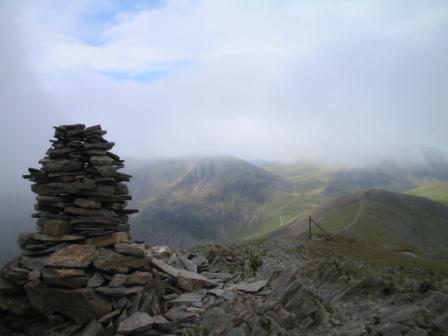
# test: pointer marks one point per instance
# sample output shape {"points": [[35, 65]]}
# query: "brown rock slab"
{"points": [[138, 278], [109, 239], [76, 255]]}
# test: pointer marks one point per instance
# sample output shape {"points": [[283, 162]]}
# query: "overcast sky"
{"points": [[279, 80]]}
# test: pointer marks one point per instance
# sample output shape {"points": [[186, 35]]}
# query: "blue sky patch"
{"points": [[98, 18], [146, 76]]}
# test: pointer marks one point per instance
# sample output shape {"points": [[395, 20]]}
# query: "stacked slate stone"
{"points": [[80, 191]]}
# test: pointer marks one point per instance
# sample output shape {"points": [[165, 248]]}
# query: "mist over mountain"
{"points": [[197, 200], [186, 201], [202, 200]]}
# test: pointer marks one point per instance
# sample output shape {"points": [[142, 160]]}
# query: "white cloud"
{"points": [[291, 79]]}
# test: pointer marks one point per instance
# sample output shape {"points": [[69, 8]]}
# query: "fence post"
{"points": [[309, 225], [320, 228]]}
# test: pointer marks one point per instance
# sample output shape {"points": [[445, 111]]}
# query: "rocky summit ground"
{"points": [[265, 287]]}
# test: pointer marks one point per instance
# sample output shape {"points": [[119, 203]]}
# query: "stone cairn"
{"points": [[80, 274]]}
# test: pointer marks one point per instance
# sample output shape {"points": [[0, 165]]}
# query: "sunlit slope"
{"points": [[384, 219], [434, 191]]}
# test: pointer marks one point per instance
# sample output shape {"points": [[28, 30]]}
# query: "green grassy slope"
{"points": [[366, 260], [308, 182], [384, 220], [396, 221], [434, 191]]}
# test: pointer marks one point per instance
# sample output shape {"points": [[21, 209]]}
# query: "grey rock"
{"points": [[180, 314], [226, 293], [164, 267], [136, 323], [55, 227], [49, 238], [18, 305], [138, 278], [250, 287], [95, 281], [101, 160], [110, 261], [93, 328], [118, 280], [80, 305], [437, 303], [66, 277], [219, 276], [130, 249], [192, 281], [85, 203], [189, 265], [109, 316], [304, 305], [87, 212], [61, 165], [188, 298], [119, 291]]}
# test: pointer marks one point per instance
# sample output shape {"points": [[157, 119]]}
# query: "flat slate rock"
{"points": [[180, 314], [191, 281], [76, 255], [250, 287], [138, 278], [95, 281], [85, 203], [164, 267], [93, 328], [49, 238], [119, 291], [112, 262], [130, 249], [136, 323], [188, 298], [226, 293]]}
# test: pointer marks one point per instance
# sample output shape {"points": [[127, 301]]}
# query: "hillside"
{"points": [[184, 202], [384, 219], [195, 200], [434, 191], [428, 166]]}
